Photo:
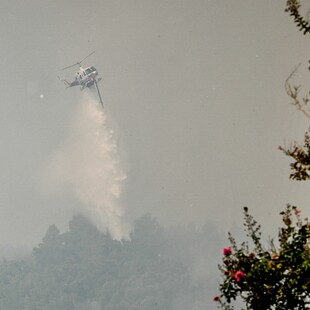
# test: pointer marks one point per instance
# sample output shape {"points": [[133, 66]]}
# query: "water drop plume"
{"points": [[89, 163]]}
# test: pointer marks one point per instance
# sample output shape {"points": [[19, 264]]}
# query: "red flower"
{"points": [[239, 275], [227, 251], [216, 298]]}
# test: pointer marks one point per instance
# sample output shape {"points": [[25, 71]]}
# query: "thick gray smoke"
{"points": [[89, 163]]}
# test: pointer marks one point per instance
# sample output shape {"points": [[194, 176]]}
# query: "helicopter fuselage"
{"points": [[86, 77]]}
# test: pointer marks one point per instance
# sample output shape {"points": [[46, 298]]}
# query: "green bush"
{"points": [[274, 278]]}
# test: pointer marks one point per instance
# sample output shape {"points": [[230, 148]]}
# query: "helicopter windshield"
{"points": [[90, 70]]}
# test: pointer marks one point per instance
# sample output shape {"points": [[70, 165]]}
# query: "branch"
{"points": [[301, 155], [293, 6], [293, 93]]}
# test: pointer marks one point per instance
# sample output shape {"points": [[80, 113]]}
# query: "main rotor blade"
{"points": [[77, 63], [86, 57]]}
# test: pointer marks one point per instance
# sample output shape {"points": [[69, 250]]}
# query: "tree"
{"points": [[277, 277], [274, 278], [300, 154], [84, 268]]}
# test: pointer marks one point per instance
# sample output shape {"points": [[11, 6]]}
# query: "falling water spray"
{"points": [[89, 163]]}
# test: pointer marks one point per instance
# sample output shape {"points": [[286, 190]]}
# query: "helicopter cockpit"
{"points": [[85, 74], [91, 70]]}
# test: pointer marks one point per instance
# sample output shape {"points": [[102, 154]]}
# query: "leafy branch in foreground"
{"points": [[293, 92], [301, 155], [276, 278], [293, 8]]}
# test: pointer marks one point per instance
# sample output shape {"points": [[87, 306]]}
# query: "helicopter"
{"points": [[85, 77]]}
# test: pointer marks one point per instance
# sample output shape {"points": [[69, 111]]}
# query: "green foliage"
{"points": [[301, 156], [84, 269], [275, 278]]}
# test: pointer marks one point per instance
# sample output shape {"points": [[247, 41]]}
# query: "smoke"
{"points": [[89, 164]]}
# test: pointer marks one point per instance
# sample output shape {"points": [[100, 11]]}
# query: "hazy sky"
{"points": [[195, 90]]}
